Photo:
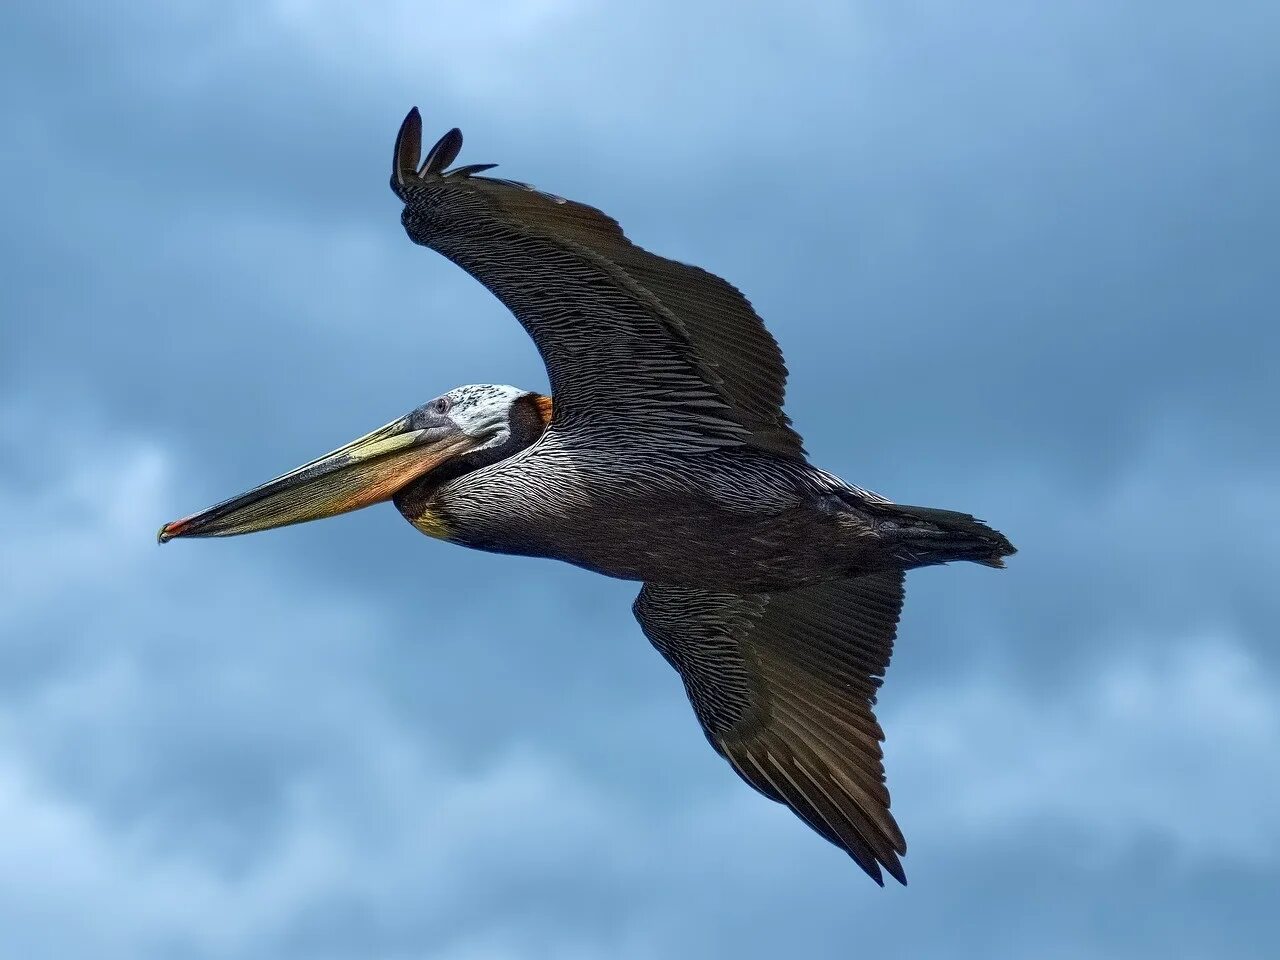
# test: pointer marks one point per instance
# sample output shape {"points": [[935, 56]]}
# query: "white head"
{"points": [[480, 410]]}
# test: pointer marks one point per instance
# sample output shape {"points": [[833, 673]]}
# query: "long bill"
{"points": [[366, 471]]}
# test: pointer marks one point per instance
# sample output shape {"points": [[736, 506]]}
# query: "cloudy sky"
{"points": [[1022, 260]]}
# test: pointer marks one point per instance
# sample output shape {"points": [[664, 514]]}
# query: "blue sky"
{"points": [[1022, 261]]}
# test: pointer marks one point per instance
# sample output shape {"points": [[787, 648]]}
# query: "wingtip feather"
{"points": [[408, 148], [444, 152]]}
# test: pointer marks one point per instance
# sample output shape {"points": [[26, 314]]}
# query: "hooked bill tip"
{"points": [[169, 531]]}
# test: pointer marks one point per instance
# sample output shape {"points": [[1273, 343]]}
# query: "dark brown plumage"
{"points": [[663, 456], [783, 685]]}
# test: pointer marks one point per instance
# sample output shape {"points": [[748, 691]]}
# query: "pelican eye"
{"points": [[440, 405]]}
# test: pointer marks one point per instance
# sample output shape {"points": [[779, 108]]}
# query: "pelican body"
{"points": [[662, 456], [721, 520]]}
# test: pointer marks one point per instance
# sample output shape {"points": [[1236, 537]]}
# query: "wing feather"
{"points": [[783, 685], [627, 336]]}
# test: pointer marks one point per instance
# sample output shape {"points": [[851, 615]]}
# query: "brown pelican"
{"points": [[663, 456]]}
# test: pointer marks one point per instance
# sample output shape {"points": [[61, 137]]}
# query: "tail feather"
{"points": [[922, 536]]}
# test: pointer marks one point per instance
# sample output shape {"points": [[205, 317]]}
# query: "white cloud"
{"points": [[1173, 743]]}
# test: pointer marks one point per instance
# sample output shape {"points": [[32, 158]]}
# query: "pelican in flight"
{"points": [[662, 456]]}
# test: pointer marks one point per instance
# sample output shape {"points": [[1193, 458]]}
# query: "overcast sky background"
{"points": [[1022, 259]]}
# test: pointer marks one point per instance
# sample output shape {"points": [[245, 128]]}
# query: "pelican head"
{"points": [[462, 430]]}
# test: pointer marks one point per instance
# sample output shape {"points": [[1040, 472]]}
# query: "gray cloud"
{"points": [[1020, 265]]}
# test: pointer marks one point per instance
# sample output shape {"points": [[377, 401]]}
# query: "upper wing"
{"points": [[630, 339], [783, 685]]}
